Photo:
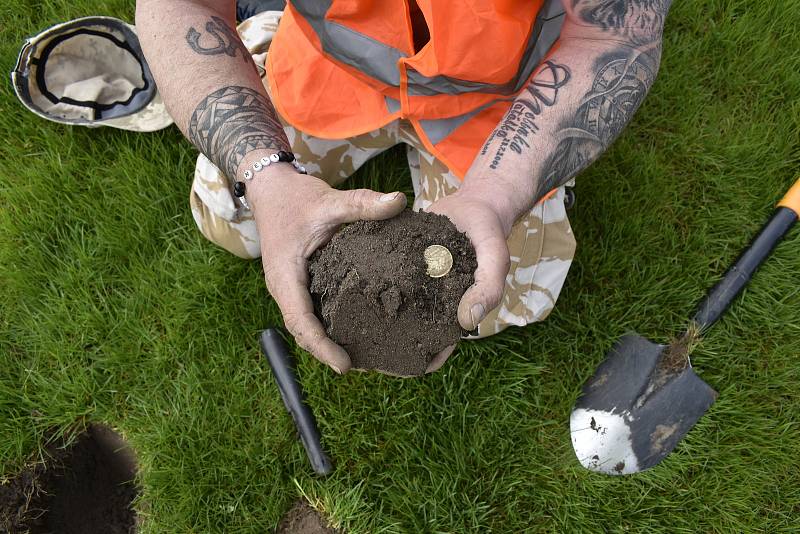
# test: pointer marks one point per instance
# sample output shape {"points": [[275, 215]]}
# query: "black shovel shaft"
{"points": [[736, 278], [282, 365]]}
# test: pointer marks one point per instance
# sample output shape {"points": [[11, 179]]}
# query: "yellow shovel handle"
{"points": [[791, 199]]}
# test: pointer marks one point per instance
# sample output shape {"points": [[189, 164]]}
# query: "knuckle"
{"points": [[357, 197], [341, 206], [495, 271], [490, 292], [495, 258], [330, 200], [292, 322], [495, 299], [302, 330], [493, 296]]}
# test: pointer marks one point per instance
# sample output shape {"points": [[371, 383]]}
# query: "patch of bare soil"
{"points": [[676, 356], [303, 519], [86, 488]]}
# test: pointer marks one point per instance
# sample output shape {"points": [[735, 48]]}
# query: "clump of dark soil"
{"points": [[303, 519], [86, 488], [675, 357], [372, 292]]}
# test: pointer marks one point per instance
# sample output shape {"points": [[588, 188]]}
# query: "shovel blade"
{"points": [[621, 424]]}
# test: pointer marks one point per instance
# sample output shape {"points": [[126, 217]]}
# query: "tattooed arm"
{"points": [[208, 80], [213, 91], [575, 106]]}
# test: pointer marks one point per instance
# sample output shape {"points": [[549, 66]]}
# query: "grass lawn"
{"points": [[113, 308]]}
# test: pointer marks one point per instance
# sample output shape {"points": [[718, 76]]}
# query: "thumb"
{"points": [[363, 204], [490, 277]]}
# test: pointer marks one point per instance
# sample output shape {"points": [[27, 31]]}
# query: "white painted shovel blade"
{"points": [[602, 441]]}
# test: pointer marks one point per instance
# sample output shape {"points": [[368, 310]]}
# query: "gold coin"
{"points": [[439, 261]]}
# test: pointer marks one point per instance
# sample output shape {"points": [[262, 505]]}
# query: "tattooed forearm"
{"points": [[622, 78], [578, 101], [233, 121], [223, 40], [519, 123], [620, 86]]}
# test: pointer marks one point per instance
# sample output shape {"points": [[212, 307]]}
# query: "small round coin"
{"points": [[439, 261]]}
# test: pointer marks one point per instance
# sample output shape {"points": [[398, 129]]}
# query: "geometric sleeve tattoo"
{"points": [[233, 121]]}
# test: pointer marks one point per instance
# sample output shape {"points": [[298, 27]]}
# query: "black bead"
{"points": [[287, 157], [239, 189], [569, 198]]}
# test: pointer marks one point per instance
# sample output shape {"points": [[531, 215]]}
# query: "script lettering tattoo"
{"points": [[227, 41], [233, 121], [519, 123], [620, 86]]}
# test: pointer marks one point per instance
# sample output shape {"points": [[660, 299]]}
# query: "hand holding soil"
{"points": [[388, 291], [486, 221], [295, 215]]}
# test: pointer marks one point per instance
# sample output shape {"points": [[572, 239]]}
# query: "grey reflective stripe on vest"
{"points": [[545, 32], [437, 129], [392, 104], [349, 46], [379, 61]]}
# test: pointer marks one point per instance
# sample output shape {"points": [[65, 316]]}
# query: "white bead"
{"points": [[274, 158], [257, 166], [248, 174], [296, 164], [265, 161], [302, 169]]}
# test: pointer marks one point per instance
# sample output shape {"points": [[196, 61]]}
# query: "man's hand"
{"points": [[295, 215], [487, 224], [487, 221]]}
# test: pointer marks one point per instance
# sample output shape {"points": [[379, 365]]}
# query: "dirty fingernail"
{"points": [[476, 313], [388, 197]]}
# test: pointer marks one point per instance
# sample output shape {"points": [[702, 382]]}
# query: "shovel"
{"points": [[645, 397]]}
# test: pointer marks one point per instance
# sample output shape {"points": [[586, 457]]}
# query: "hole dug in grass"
{"points": [[302, 518], [85, 488]]}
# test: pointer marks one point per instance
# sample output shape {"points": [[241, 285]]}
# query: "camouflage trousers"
{"points": [[541, 244]]}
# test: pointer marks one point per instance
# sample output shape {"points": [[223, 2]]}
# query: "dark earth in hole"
{"points": [[86, 488], [303, 519], [372, 293]]}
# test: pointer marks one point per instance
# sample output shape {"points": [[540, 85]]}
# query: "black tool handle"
{"points": [[736, 278], [282, 364]]}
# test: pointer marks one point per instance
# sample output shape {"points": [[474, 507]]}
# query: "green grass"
{"points": [[113, 308]]}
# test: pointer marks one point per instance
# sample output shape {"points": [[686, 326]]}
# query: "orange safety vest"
{"points": [[341, 68]]}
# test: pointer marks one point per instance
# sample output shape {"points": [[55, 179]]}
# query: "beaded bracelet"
{"points": [[239, 188]]}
